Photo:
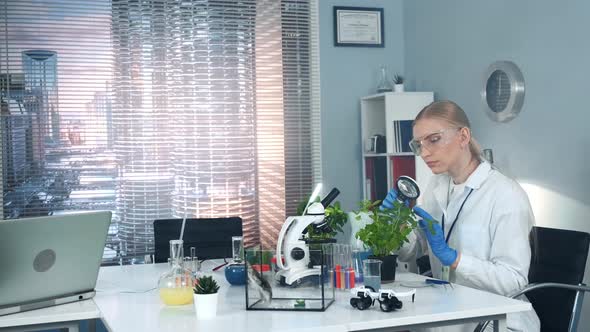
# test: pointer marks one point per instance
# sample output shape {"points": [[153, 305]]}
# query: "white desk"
{"points": [[61, 316], [434, 306]]}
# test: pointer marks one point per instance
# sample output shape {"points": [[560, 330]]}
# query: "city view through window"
{"points": [[57, 130], [149, 109]]}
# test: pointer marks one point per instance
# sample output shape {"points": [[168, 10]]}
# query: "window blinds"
{"points": [[157, 109]]}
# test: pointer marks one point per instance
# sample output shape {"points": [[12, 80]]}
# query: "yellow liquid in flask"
{"points": [[177, 296]]}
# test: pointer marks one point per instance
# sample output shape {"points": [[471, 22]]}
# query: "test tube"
{"points": [[342, 259], [345, 266], [196, 266], [351, 276], [329, 263], [349, 267], [237, 249], [187, 262], [358, 266], [337, 267]]}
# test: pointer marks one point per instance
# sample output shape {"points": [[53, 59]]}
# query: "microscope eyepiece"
{"points": [[330, 197]]}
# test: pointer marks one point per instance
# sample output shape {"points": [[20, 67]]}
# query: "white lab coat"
{"points": [[491, 233]]}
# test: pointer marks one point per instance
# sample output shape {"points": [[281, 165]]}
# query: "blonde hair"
{"points": [[451, 113]]}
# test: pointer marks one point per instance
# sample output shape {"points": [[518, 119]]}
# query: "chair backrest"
{"points": [[558, 255], [211, 237]]}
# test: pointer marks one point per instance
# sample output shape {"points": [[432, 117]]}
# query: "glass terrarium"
{"points": [[288, 284], [176, 285]]}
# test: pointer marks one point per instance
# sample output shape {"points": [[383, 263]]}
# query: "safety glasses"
{"points": [[433, 141]]}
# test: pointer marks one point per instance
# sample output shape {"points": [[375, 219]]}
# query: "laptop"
{"points": [[51, 260]]}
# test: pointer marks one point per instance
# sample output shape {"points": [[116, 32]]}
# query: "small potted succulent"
{"points": [[398, 83], [205, 297]]}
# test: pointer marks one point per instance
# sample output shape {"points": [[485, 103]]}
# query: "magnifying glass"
{"points": [[407, 188]]}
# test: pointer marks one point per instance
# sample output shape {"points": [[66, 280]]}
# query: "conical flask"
{"points": [[384, 82], [176, 285]]}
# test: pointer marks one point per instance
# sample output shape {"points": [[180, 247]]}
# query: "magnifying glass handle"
{"points": [[404, 200]]}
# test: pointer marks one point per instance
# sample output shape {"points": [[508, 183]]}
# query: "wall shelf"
{"points": [[390, 114]]}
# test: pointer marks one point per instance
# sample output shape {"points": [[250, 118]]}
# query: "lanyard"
{"points": [[457, 217]]}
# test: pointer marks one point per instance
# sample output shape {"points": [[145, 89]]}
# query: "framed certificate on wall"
{"points": [[358, 26]]}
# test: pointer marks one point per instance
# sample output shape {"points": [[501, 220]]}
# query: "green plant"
{"points": [[390, 227], [398, 79], [206, 285], [256, 255], [334, 216]]}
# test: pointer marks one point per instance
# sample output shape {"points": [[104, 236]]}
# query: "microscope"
{"points": [[294, 248]]}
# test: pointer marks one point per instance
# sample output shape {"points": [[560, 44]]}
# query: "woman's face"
{"points": [[439, 143]]}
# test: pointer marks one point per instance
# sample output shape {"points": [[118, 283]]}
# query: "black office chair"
{"points": [[555, 285], [211, 236]]}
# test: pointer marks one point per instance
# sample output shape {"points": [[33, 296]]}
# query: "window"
{"points": [[159, 108]]}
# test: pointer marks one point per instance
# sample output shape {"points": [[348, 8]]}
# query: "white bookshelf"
{"points": [[378, 113]]}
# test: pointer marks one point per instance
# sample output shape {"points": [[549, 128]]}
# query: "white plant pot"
{"points": [[398, 88], [205, 305]]}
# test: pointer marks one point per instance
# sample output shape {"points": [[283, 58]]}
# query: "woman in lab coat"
{"points": [[486, 216]]}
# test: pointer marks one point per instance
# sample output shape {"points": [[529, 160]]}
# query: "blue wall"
{"points": [[347, 74], [449, 45]]}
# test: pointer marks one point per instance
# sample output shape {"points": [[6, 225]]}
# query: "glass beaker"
{"points": [[384, 82], [372, 274], [176, 285], [237, 249]]}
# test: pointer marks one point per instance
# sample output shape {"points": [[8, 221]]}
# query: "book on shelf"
{"points": [[376, 177], [402, 134], [369, 178], [403, 165]]}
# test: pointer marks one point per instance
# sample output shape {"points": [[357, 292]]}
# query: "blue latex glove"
{"points": [[389, 199], [422, 213], [438, 245]]}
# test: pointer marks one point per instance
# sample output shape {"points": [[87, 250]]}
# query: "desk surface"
{"points": [[61, 313], [128, 301]]}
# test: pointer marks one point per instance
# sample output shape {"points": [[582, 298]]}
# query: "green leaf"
{"points": [[389, 228], [334, 216], [206, 285]]}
